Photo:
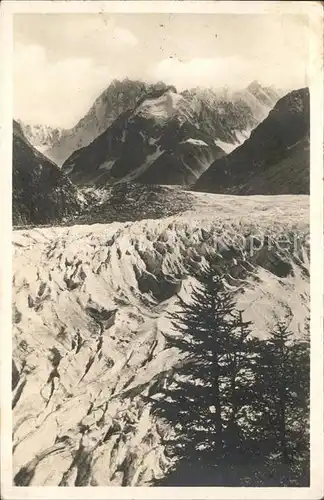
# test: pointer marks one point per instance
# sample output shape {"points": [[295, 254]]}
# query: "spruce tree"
{"points": [[282, 402], [203, 399], [298, 412]]}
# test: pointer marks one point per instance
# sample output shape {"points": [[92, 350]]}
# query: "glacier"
{"points": [[91, 308]]}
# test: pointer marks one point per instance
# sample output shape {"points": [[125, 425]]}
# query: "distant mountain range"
{"points": [[274, 160], [169, 137], [42, 137], [226, 116], [157, 136]]}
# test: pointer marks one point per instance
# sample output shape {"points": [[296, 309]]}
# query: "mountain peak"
{"points": [[254, 85], [265, 95], [118, 97]]}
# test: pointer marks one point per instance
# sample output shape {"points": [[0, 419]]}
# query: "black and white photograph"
{"points": [[161, 311]]}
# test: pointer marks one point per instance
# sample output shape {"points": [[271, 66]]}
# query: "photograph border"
{"points": [[314, 10]]}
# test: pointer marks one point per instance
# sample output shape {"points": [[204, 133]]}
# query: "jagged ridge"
{"points": [[274, 160]]}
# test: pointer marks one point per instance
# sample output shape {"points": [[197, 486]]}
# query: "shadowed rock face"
{"points": [[274, 160], [157, 142], [41, 193], [14, 376]]}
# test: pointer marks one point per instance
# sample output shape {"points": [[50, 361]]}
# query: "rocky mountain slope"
{"points": [[41, 193], [156, 142], [229, 116], [42, 137], [90, 315], [116, 99], [274, 160], [268, 96]]}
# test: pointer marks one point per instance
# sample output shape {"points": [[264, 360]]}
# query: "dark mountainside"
{"points": [[274, 160], [156, 142], [41, 193]]}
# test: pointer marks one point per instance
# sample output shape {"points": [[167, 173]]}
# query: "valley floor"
{"points": [[134, 202]]}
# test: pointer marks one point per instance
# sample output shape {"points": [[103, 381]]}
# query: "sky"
{"points": [[62, 62]]}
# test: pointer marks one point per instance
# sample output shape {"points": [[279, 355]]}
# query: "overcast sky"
{"points": [[62, 62]]}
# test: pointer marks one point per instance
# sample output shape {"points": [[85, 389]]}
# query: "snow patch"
{"points": [[226, 146], [152, 140], [107, 165], [241, 136], [164, 107], [196, 142]]}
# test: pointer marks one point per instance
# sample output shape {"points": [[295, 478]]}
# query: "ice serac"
{"points": [[40, 192], [90, 316], [156, 142], [274, 160]]}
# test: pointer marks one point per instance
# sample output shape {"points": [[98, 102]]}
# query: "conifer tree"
{"points": [[298, 412], [203, 399], [282, 395]]}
